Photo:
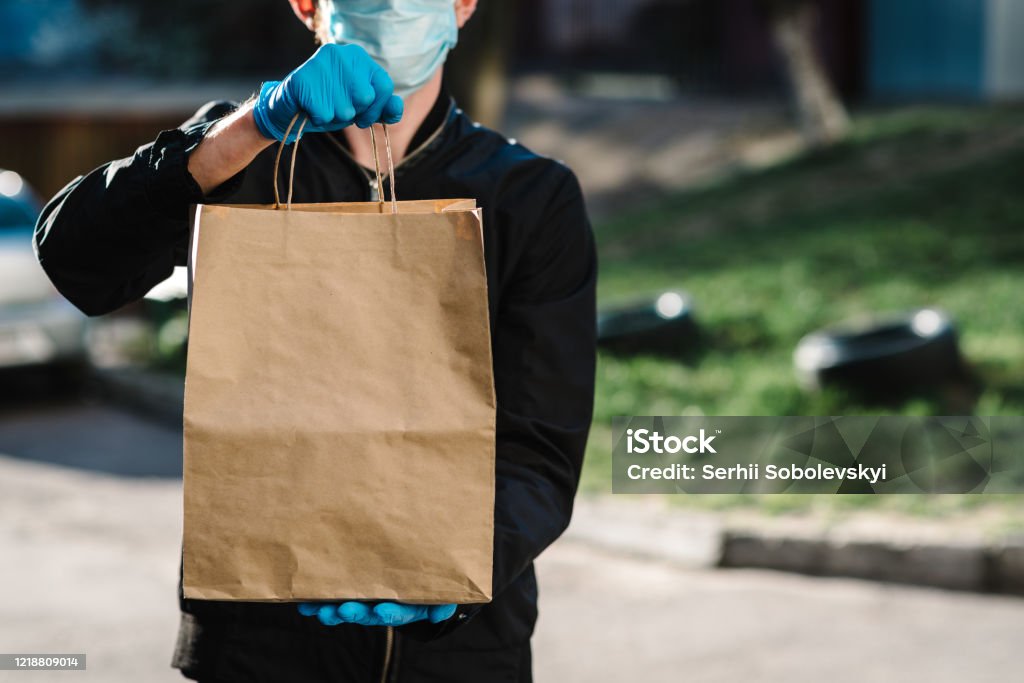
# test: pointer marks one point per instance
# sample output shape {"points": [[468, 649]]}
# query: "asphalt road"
{"points": [[89, 538], [608, 618]]}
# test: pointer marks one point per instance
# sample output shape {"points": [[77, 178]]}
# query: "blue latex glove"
{"points": [[381, 614], [336, 87]]}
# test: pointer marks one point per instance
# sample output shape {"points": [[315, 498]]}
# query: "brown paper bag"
{"points": [[339, 404]]}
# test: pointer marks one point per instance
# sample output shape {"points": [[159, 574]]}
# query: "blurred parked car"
{"points": [[38, 327]]}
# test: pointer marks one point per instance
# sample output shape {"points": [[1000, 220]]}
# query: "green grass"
{"points": [[920, 207]]}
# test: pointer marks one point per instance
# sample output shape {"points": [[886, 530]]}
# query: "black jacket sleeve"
{"points": [[544, 356], [544, 345], [108, 237]]}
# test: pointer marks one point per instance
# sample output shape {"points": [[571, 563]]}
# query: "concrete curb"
{"points": [[977, 568], [697, 539], [648, 529]]}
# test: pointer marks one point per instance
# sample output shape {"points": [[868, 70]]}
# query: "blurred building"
{"points": [[902, 48], [946, 48], [84, 81]]}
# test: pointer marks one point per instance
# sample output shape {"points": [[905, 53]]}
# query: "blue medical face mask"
{"points": [[408, 38]]}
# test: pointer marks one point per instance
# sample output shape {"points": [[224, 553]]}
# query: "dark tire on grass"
{"points": [[891, 358], [661, 325]]}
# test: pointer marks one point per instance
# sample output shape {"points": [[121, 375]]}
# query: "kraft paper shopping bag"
{"points": [[339, 404]]}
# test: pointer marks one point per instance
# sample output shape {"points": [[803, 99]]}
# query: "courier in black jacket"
{"points": [[110, 236]]}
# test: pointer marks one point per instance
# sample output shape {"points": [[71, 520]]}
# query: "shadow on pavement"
{"points": [[46, 421]]}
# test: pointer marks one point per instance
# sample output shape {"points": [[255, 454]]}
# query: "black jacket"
{"points": [[111, 235]]}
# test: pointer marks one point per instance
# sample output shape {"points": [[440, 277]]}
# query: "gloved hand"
{"points": [[382, 614], [336, 87]]}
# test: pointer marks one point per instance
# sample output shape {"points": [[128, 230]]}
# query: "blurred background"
{"points": [[802, 207]]}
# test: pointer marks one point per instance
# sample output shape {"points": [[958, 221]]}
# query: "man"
{"points": [[111, 235]]}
